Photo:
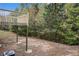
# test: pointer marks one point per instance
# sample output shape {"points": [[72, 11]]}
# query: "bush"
{"points": [[20, 30], [67, 37], [71, 38], [47, 34]]}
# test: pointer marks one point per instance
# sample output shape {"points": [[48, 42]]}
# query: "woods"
{"points": [[40, 29], [56, 22]]}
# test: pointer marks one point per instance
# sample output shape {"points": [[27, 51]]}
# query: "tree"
{"points": [[72, 24], [23, 8], [36, 21], [33, 11], [54, 14]]}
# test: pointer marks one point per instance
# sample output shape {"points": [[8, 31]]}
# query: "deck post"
{"points": [[17, 34], [26, 38]]}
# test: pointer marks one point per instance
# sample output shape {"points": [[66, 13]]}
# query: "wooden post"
{"points": [[26, 38], [17, 34], [17, 28]]}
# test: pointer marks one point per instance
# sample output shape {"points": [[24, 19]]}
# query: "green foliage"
{"points": [[71, 35], [71, 38], [20, 30], [55, 22], [60, 23]]}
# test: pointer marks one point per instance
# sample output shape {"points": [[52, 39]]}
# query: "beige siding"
{"points": [[23, 19]]}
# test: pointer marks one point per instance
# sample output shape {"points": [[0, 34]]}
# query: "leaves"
{"points": [[55, 21]]}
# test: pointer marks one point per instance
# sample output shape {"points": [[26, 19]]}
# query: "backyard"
{"points": [[40, 29], [38, 47]]}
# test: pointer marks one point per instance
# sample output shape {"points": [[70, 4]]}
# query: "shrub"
{"points": [[71, 38], [21, 30]]}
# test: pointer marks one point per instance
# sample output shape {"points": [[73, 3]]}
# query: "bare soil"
{"points": [[38, 47]]}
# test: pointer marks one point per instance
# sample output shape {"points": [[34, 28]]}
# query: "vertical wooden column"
{"points": [[17, 33], [16, 28], [26, 38]]}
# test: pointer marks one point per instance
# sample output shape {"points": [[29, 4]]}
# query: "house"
{"points": [[18, 20], [23, 19]]}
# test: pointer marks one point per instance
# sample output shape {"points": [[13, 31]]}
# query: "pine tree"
{"points": [[72, 24], [53, 16]]}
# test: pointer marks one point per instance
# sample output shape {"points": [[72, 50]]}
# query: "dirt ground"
{"points": [[39, 47]]}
